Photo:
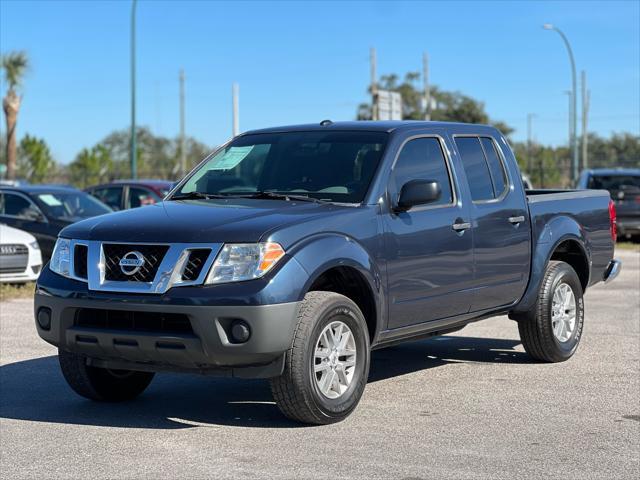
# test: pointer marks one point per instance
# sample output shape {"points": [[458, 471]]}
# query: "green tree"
{"points": [[620, 150], [14, 65], [158, 156], [35, 162], [444, 106], [91, 166]]}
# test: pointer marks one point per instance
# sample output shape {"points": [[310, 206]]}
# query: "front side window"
{"points": [[331, 166], [18, 206], [111, 196], [71, 206], [139, 197], [423, 159]]}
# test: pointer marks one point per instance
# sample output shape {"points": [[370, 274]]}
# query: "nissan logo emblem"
{"points": [[131, 263]]}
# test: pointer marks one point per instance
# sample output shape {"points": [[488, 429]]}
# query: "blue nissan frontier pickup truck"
{"points": [[290, 253]]}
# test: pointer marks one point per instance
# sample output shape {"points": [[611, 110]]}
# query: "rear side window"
{"points": [[422, 158], [476, 168], [485, 171], [498, 175]]}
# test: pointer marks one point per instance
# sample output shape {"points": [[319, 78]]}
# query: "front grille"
{"points": [[194, 264], [13, 258], [152, 254], [148, 322], [80, 260], [13, 249]]}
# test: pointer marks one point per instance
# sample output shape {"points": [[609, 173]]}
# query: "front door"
{"points": [[429, 263]]}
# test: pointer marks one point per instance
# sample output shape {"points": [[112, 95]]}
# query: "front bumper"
{"points": [[29, 275], [208, 348]]}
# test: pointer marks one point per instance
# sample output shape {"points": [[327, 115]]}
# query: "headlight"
{"points": [[35, 245], [60, 258], [244, 261]]}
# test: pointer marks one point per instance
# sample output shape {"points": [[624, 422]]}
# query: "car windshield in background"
{"points": [[71, 206], [616, 183], [330, 166]]}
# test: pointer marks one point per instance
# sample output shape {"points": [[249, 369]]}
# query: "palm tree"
{"points": [[14, 65]]}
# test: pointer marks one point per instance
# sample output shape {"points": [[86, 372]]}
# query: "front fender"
{"points": [[319, 253], [545, 242]]}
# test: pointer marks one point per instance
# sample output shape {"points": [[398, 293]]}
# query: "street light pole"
{"points": [[133, 155], [573, 140]]}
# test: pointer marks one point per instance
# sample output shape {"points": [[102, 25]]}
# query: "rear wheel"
{"points": [[327, 366], [101, 384], [552, 331]]}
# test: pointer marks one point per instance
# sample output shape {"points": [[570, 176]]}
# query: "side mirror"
{"points": [[418, 192]]}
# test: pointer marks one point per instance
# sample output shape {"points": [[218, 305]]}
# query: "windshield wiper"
{"points": [[196, 196], [283, 196]]}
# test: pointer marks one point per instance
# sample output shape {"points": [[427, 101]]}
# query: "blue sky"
{"points": [[307, 61]]}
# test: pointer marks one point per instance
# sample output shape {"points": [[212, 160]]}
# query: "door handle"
{"points": [[516, 220], [460, 227]]}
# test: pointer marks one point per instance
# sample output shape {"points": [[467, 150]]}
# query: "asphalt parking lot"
{"points": [[468, 405]]}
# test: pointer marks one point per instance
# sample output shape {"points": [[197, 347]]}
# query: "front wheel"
{"points": [[327, 366], [101, 384], [552, 331]]}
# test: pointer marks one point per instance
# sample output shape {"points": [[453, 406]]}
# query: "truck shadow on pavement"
{"points": [[35, 390]]}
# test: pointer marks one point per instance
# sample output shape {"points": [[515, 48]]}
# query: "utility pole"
{"points": [[574, 101], [586, 100], [235, 93], [374, 84], [529, 142], [427, 93], [183, 151], [134, 147]]}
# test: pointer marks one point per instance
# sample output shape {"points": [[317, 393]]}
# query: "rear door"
{"points": [[501, 229], [429, 263]]}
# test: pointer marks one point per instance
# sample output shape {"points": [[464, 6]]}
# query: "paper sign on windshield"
{"points": [[232, 157], [50, 200]]}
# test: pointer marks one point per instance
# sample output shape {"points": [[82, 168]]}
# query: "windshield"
{"points": [[71, 206], [616, 183], [330, 166]]}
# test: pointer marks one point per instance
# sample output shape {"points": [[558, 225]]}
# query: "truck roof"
{"points": [[369, 126]]}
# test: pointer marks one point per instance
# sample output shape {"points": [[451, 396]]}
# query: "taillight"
{"points": [[612, 221]]}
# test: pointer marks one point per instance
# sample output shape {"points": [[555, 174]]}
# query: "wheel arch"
{"points": [[560, 239], [340, 264]]}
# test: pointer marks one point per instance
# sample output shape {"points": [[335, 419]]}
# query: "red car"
{"points": [[125, 194]]}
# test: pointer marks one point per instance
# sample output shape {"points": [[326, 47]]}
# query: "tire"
{"points": [[537, 328], [299, 390], [101, 384]]}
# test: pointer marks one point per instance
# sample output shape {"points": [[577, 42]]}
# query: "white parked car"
{"points": [[20, 257]]}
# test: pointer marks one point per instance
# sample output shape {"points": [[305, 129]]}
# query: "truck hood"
{"points": [[216, 221]]}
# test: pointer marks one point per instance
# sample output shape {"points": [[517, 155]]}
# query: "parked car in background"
{"points": [[44, 210], [20, 257], [624, 186], [125, 194]]}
